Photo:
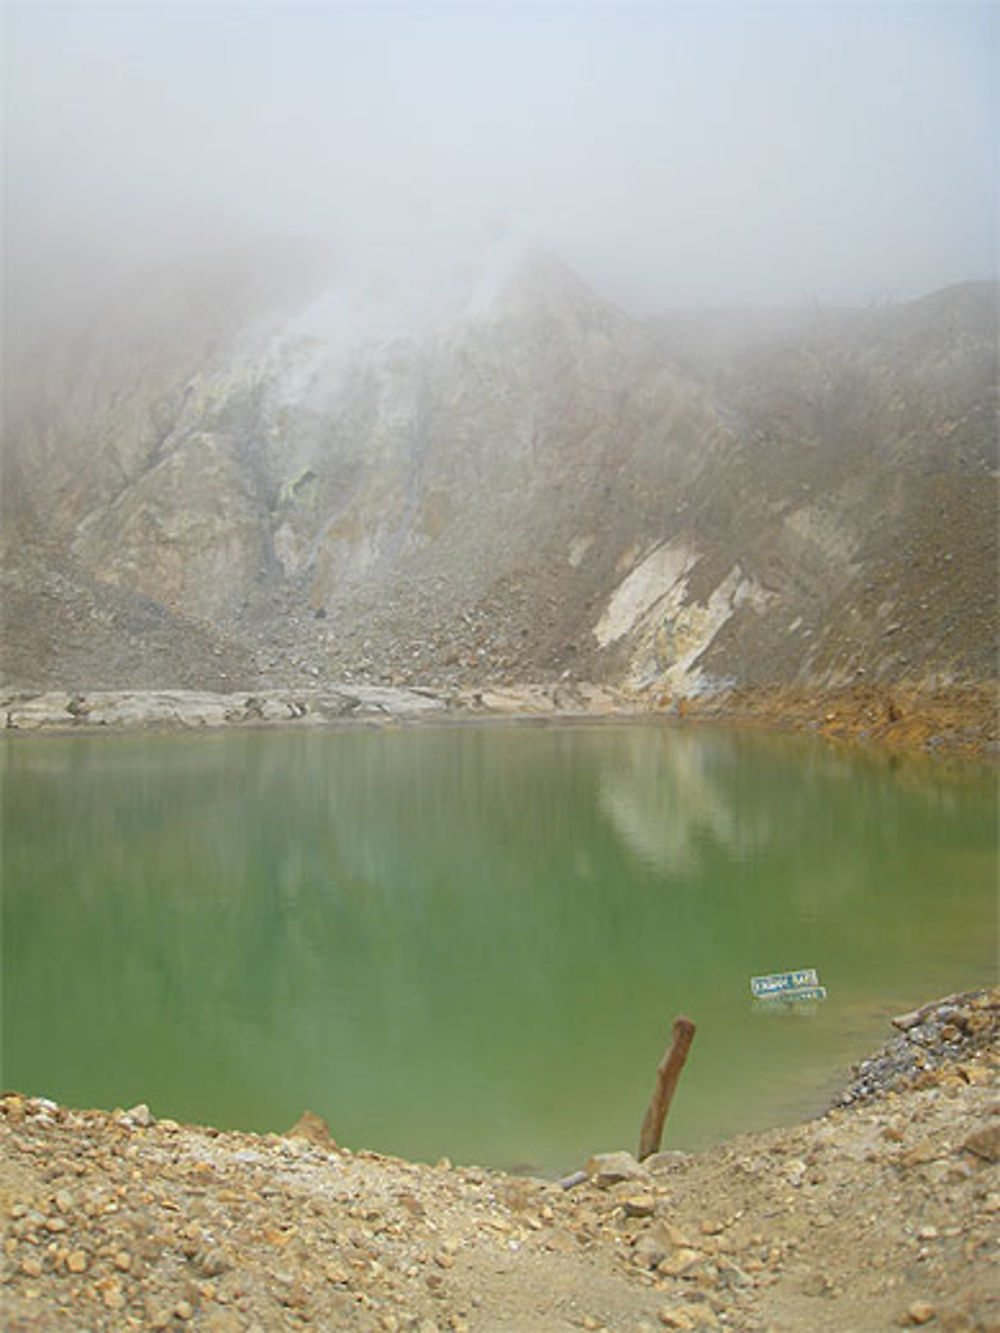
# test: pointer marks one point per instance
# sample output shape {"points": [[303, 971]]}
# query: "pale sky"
{"points": [[701, 154]]}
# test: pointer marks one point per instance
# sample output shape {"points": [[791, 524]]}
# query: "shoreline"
{"points": [[956, 721], [881, 1213]]}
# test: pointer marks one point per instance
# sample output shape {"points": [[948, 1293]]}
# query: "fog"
{"points": [[674, 155]]}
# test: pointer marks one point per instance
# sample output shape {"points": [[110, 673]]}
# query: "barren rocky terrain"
{"points": [[213, 486], [884, 1213]]}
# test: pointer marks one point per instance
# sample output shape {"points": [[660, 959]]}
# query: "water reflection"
{"points": [[667, 797], [470, 941]]}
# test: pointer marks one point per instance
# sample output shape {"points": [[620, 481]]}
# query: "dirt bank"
{"points": [[961, 721], [883, 1213]]}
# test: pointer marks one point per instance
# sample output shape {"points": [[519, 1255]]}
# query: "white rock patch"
{"points": [[655, 578], [671, 633]]}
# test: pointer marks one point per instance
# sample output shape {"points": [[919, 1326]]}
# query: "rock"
{"points": [[223, 1321], [795, 1173], [639, 1205], [313, 1129], [571, 1181], [31, 1266], [562, 1242], [680, 1262], [816, 1284], [677, 1237], [672, 1316], [731, 1275], [664, 1161], [984, 1143], [920, 1312], [215, 1262], [141, 1115], [687, 1317], [112, 1296], [610, 1168], [77, 1262], [651, 1248]]}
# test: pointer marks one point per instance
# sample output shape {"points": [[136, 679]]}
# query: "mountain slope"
{"points": [[541, 485]]}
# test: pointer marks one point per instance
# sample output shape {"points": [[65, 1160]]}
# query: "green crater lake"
{"points": [[473, 941]]}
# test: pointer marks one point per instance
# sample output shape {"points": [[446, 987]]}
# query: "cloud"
{"points": [[675, 154]]}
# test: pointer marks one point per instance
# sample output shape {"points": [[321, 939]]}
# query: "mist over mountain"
{"points": [[263, 473]]}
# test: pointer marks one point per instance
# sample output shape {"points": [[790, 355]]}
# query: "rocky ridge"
{"points": [[876, 1216], [543, 488]]}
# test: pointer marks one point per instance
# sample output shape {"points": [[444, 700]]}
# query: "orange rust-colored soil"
{"points": [[958, 721]]}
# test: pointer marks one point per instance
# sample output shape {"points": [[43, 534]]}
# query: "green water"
{"points": [[473, 941]]}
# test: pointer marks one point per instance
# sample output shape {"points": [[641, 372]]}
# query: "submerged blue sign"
{"points": [[800, 985]]}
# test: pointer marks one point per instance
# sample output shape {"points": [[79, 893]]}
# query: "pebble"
{"points": [[687, 1317], [611, 1168], [680, 1262], [816, 1284], [984, 1143], [112, 1297], [652, 1247], [920, 1312], [214, 1262], [223, 1321], [639, 1205]]}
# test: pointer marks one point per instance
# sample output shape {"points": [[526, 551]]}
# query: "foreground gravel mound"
{"points": [[879, 1215]]}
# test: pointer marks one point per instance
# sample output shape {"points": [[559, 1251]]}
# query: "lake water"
{"points": [[474, 940]]}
